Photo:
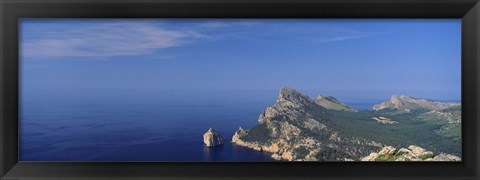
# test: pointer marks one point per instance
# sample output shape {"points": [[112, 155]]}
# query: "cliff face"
{"points": [[212, 138], [295, 129], [408, 103]]}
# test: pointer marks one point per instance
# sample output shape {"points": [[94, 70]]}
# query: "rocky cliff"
{"points": [[212, 138], [296, 128], [412, 153]]}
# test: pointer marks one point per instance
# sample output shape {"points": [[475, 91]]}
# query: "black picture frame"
{"points": [[12, 10]]}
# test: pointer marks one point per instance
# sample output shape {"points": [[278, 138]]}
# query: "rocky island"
{"points": [[212, 138], [298, 128]]}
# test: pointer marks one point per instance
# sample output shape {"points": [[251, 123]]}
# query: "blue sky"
{"points": [[349, 59]]}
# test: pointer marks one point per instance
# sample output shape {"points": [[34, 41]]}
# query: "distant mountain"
{"points": [[297, 128], [446, 115], [330, 102], [408, 103]]}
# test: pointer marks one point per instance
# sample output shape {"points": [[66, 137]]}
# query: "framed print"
{"points": [[251, 89]]}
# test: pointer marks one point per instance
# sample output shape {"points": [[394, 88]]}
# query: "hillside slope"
{"points": [[297, 128]]}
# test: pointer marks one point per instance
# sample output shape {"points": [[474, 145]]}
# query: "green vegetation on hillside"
{"points": [[306, 129]]}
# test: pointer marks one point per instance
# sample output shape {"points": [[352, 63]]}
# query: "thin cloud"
{"points": [[223, 24], [105, 40], [341, 38]]}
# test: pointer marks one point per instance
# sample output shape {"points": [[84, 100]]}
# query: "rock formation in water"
{"points": [[212, 138], [412, 153]]}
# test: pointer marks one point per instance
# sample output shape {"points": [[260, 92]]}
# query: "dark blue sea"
{"points": [[103, 125], [134, 126]]}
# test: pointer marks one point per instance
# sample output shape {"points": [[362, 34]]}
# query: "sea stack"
{"points": [[212, 138]]}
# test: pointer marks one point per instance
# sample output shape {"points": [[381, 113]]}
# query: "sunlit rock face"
{"points": [[294, 129], [298, 128], [412, 153], [408, 103], [212, 138]]}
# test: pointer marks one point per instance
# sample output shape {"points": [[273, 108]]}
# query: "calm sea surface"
{"points": [[102, 126], [134, 126]]}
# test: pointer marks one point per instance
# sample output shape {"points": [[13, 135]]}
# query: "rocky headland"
{"points": [[298, 128]]}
